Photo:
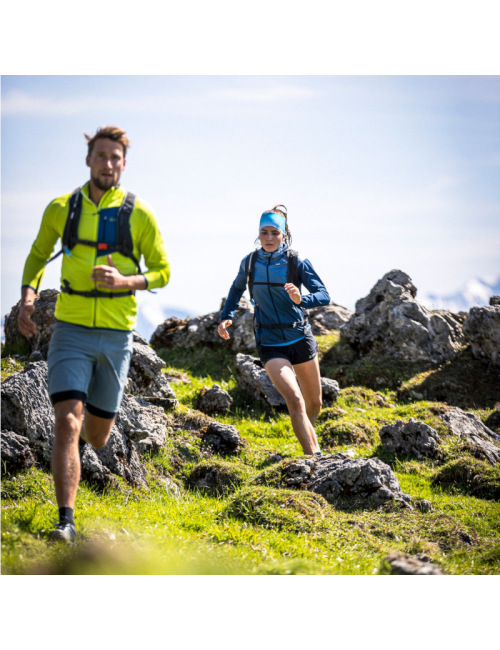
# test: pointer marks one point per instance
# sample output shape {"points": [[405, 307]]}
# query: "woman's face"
{"points": [[270, 238]]}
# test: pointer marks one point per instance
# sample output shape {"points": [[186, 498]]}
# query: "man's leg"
{"points": [[310, 384], [66, 465], [96, 430], [281, 373]]}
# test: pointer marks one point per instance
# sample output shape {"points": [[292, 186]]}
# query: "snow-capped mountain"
{"points": [[475, 292]]}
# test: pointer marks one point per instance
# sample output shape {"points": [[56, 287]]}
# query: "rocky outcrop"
{"points": [[16, 452], [145, 376], [330, 390], [139, 427], [482, 330], [223, 438], [327, 318], [202, 330], [253, 379], [476, 435], [338, 475], [43, 317], [408, 565], [213, 401], [411, 438], [390, 321], [494, 300]]}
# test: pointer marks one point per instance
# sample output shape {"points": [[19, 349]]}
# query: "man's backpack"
{"points": [[123, 244]]}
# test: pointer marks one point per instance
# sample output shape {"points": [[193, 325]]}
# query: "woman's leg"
{"points": [[310, 384], [281, 373]]}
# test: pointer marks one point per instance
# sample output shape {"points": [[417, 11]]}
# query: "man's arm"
{"points": [[34, 268]]}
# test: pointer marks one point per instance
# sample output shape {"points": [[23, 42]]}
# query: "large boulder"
{"points": [[390, 321], [482, 330], [253, 379], [411, 438], [202, 330], [139, 427], [330, 390], [213, 401], [145, 376], [43, 317], [339, 475], [476, 435], [16, 452], [327, 318]]}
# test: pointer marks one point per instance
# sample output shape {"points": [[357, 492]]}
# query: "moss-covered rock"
{"points": [[218, 477], [331, 435], [475, 477], [272, 508]]}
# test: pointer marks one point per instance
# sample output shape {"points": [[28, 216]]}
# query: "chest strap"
{"points": [[280, 326], [95, 293]]}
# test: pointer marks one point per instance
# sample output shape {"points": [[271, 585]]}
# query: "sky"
{"points": [[377, 173]]}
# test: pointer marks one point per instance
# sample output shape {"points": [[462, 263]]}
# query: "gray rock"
{"points": [[223, 438], [213, 401], [145, 376], [411, 438], [330, 390], [338, 475], [330, 317], [27, 410], [16, 452], [477, 435], [390, 321], [424, 505], [139, 427], [408, 565], [43, 317], [482, 330], [202, 330], [494, 300], [253, 379]]}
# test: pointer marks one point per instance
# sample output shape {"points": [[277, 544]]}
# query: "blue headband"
{"points": [[273, 219]]}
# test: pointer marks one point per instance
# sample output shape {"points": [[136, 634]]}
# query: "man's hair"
{"points": [[112, 133]]}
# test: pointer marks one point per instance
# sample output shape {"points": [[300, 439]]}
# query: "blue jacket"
{"points": [[273, 304]]}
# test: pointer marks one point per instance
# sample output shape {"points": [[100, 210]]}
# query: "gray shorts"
{"points": [[90, 365]]}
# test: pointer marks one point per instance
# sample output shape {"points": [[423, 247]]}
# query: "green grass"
{"points": [[247, 522]]}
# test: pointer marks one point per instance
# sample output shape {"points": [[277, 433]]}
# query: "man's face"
{"points": [[106, 163]]}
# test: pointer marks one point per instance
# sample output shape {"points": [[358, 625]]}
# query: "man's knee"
{"points": [[68, 417]]}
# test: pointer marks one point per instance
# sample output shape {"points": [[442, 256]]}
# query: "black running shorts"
{"points": [[299, 352]]}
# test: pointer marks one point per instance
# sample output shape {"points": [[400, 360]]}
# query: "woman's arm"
{"points": [[318, 295], [235, 293]]}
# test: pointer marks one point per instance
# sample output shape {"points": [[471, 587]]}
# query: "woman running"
{"points": [[284, 341]]}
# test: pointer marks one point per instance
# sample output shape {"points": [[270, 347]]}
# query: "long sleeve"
{"points": [[318, 295], [152, 247], [42, 247], [235, 293]]}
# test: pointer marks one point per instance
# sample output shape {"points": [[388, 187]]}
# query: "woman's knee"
{"points": [[294, 401]]}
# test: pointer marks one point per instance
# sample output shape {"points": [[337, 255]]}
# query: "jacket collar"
{"points": [[275, 255], [107, 197]]}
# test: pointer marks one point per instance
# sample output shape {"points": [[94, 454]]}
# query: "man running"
{"points": [[104, 232]]}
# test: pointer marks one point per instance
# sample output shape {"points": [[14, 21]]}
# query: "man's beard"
{"points": [[104, 184]]}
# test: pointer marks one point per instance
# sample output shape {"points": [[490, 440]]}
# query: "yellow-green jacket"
{"points": [[117, 314]]}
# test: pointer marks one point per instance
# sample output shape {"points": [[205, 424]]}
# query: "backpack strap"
{"points": [[124, 243], [292, 271], [70, 233], [250, 271], [95, 293]]}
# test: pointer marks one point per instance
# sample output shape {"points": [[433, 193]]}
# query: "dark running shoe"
{"points": [[64, 532]]}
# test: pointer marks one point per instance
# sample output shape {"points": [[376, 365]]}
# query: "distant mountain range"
{"points": [[476, 292]]}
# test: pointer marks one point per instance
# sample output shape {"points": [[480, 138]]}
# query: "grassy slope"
{"points": [[258, 529]]}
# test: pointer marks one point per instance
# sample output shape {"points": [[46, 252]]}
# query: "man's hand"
{"points": [[222, 329], [26, 326], [293, 292], [109, 277]]}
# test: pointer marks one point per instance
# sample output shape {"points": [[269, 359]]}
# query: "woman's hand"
{"points": [[222, 329], [293, 292]]}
